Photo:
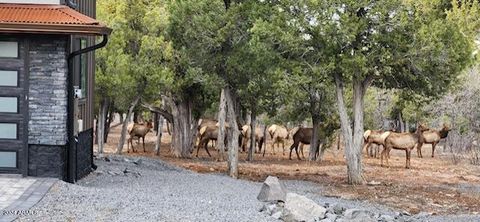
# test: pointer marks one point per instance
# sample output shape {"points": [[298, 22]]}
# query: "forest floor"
{"points": [[440, 186]]}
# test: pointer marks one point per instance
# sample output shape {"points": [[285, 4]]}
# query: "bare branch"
{"points": [[160, 111]]}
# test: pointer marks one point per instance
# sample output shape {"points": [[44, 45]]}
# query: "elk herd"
{"points": [[404, 141], [208, 131]]}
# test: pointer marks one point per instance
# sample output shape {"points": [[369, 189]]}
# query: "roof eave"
{"points": [[64, 29]]}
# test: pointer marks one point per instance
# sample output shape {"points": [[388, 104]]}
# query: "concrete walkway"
{"points": [[18, 195]]}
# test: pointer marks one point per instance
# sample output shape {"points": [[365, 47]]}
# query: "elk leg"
{"points": [[296, 151], [294, 145], [143, 139], [381, 156], [408, 152], [206, 148], [419, 150], [365, 147], [433, 149], [198, 147], [301, 149], [283, 147]]}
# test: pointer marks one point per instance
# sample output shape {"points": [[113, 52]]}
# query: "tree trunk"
{"points": [[353, 140], [323, 146], [314, 142], [123, 134], [101, 124], [121, 117], [184, 129], [222, 112], [168, 128], [109, 121], [158, 143], [400, 120], [95, 134], [253, 122], [232, 135]]}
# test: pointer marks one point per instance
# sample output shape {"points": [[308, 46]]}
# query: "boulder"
{"points": [[357, 215], [277, 215], [300, 208], [272, 190], [331, 216]]}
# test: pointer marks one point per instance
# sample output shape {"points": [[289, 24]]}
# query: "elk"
{"points": [[201, 125], [402, 141], [301, 135], [432, 137], [279, 134], [259, 137], [210, 133], [376, 137], [207, 133], [139, 131]]}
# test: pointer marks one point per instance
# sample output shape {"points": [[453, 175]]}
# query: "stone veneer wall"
{"points": [[48, 91], [47, 126]]}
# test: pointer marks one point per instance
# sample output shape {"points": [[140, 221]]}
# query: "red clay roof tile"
{"points": [[46, 16]]}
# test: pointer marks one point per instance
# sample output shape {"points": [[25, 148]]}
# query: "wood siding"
{"points": [[86, 105]]}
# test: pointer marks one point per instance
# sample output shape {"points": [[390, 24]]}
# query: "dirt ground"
{"points": [[433, 185]]}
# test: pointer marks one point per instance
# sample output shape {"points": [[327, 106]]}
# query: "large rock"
{"points": [[300, 208], [357, 215], [272, 190]]}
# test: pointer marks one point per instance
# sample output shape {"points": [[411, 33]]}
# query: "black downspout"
{"points": [[71, 140]]}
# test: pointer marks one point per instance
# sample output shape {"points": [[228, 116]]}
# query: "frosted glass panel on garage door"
{"points": [[8, 104], [8, 131], [8, 49], [8, 159], [8, 78]]}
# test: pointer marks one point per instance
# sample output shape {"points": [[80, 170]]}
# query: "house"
{"points": [[47, 69]]}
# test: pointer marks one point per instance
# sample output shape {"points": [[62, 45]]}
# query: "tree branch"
{"points": [[160, 111]]}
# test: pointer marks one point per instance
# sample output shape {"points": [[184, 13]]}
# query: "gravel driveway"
{"points": [[150, 190]]}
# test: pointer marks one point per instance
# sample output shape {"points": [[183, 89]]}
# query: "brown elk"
{"points": [[259, 137], [402, 141], [202, 123], [279, 134], [376, 137], [207, 133], [210, 133], [139, 130], [301, 135], [432, 137]]}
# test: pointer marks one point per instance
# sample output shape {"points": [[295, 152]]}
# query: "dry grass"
{"points": [[434, 185]]}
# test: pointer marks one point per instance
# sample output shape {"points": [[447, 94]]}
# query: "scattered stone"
{"points": [[125, 171], [422, 215], [106, 159], [374, 183], [137, 161], [126, 160], [386, 218], [113, 173], [300, 208], [338, 209], [272, 190], [359, 215]]}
